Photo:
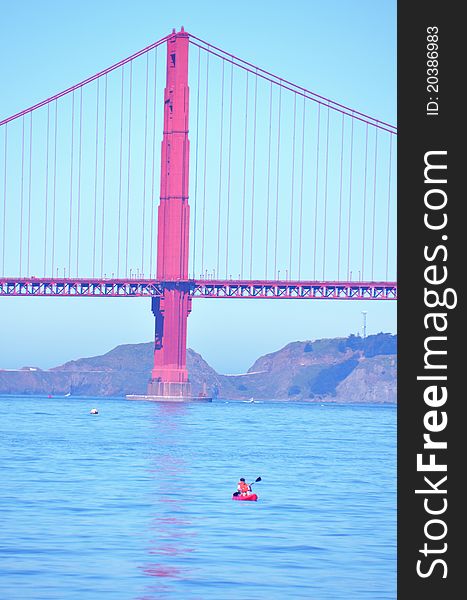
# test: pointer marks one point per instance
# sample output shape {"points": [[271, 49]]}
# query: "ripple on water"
{"points": [[137, 502]]}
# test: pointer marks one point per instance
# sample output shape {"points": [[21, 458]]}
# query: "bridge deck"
{"points": [[136, 288]]}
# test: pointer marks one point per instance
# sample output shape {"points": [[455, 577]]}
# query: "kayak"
{"points": [[247, 497]]}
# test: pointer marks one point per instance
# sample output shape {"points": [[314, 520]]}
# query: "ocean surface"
{"points": [[135, 503]]}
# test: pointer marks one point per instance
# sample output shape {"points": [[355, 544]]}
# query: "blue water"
{"points": [[135, 503]]}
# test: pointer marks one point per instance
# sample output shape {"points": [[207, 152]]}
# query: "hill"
{"points": [[349, 369]]}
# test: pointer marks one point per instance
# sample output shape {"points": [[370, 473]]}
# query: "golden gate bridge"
{"points": [[291, 193]]}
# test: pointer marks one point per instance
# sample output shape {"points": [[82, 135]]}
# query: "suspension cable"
{"points": [[244, 177], [316, 189], [350, 201], [301, 193], [29, 193], [364, 203], [130, 85], [95, 182], [103, 177], [220, 173], [122, 97], [340, 199], [228, 177], [205, 162], [46, 196], [242, 64], [389, 206], [54, 204], [145, 165], [253, 180], [269, 182], [374, 208], [292, 186], [71, 180], [326, 195], [153, 166], [196, 164], [80, 146], [277, 180], [4, 198], [22, 201], [121, 63]]}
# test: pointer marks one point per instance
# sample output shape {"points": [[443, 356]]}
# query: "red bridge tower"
{"points": [[169, 377]]}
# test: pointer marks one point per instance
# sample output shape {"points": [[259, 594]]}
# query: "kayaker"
{"points": [[243, 487]]}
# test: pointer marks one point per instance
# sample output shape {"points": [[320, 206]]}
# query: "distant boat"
{"points": [[69, 394]]}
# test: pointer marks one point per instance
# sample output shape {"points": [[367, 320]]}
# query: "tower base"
{"points": [[169, 398], [169, 388], [164, 391]]}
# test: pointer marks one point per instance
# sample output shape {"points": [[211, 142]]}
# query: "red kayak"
{"points": [[247, 497]]}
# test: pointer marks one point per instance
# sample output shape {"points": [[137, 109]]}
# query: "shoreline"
{"points": [[321, 402]]}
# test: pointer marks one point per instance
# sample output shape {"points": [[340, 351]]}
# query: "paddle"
{"points": [[250, 484]]}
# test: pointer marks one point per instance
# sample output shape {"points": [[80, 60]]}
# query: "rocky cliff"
{"points": [[349, 369], [331, 370]]}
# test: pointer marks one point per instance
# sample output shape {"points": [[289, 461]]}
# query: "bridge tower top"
{"points": [[173, 224]]}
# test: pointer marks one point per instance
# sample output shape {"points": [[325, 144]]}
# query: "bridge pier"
{"points": [[169, 380], [169, 376]]}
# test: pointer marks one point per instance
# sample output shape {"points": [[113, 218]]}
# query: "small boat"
{"points": [[250, 495], [237, 496]]}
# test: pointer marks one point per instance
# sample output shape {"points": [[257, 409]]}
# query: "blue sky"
{"points": [[343, 50]]}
